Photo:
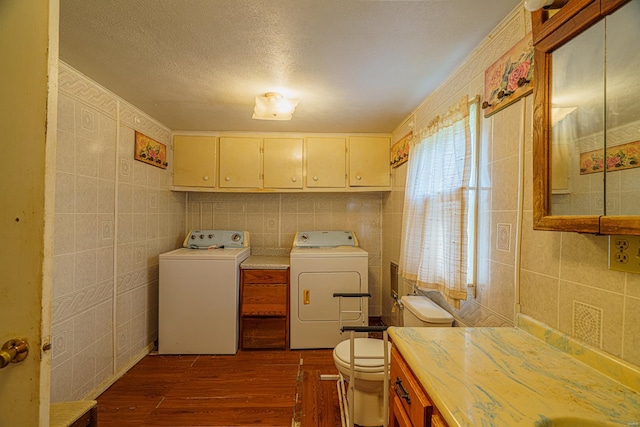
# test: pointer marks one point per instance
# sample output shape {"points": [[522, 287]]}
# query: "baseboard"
{"points": [[93, 394]]}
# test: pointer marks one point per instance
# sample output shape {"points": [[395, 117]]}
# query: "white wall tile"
{"points": [[64, 268], [86, 231], [65, 192], [61, 381], [85, 269], [86, 194], [65, 152]]}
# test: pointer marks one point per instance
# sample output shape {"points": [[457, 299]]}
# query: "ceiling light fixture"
{"points": [[274, 106], [532, 5]]}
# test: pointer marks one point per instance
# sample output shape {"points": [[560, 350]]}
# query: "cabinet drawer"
{"points": [[264, 300], [265, 276], [405, 388], [264, 332], [400, 417]]}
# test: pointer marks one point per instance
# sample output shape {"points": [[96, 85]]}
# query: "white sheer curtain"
{"points": [[438, 237]]}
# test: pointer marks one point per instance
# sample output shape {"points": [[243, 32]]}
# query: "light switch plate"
{"points": [[624, 253]]}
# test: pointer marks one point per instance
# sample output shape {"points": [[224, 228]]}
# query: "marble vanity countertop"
{"points": [[265, 262], [509, 377]]}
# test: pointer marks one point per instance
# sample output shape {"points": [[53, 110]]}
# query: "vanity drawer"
{"points": [[265, 276], [407, 394]]}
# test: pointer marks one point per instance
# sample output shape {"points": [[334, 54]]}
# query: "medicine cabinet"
{"points": [[586, 132]]}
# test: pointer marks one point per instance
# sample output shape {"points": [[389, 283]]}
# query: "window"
{"points": [[439, 217]]}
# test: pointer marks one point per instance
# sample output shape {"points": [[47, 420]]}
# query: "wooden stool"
{"points": [[83, 413]]}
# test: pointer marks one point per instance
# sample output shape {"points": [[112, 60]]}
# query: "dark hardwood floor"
{"points": [[251, 388]]}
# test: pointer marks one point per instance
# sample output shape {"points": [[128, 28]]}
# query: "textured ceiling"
{"points": [[355, 65]]}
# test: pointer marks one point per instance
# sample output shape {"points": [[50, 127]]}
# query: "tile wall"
{"points": [[113, 216], [273, 219], [561, 279]]}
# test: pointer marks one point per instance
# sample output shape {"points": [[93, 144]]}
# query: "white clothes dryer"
{"points": [[323, 263], [199, 293]]}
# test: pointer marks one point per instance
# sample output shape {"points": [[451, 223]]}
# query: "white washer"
{"points": [[322, 263], [199, 293]]}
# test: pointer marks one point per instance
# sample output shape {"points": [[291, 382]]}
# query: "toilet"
{"points": [[420, 311], [368, 405]]}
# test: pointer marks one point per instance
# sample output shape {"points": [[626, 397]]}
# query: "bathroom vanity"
{"points": [[530, 375]]}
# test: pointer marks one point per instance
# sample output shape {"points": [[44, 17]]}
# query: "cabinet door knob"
{"points": [[358, 177], [315, 178], [205, 178], [294, 179], [227, 178]]}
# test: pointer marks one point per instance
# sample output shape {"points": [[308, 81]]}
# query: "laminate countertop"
{"points": [[265, 262], [528, 375]]}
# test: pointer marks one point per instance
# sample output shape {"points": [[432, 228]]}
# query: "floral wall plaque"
{"points": [[150, 151], [400, 150], [509, 78], [618, 158]]}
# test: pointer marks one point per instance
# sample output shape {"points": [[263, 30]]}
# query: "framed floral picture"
{"points": [[150, 151], [509, 78]]}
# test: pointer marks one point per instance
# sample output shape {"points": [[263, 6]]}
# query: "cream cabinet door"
{"points": [[240, 162], [283, 162], [194, 161], [369, 161], [326, 162]]}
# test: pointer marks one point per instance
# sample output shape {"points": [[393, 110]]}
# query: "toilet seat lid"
{"points": [[367, 347], [426, 310]]}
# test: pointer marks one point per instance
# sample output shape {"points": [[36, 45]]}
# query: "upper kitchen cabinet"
{"points": [[369, 161], [283, 163], [240, 162], [194, 161], [586, 133], [326, 162]]}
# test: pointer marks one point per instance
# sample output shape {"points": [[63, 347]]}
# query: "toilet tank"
{"points": [[420, 311]]}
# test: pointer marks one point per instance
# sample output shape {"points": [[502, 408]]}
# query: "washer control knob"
{"points": [[235, 237], [210, 236], [201, 236], [304, 237]]}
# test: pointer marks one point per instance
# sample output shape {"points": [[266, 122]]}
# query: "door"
{"points": [[194, 161], [240, 162], [29, 47], [369, 161], [283, 163], [316, 302], [326, 165]]}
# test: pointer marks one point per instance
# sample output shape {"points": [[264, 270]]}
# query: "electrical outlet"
{"points": [[622, 244], [624, 253]]}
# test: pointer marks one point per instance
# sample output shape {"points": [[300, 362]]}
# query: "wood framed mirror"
{"points": [[587, 118]]}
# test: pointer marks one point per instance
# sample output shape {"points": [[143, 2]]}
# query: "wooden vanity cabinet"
{"points": [[409, 403], [264, 309]]}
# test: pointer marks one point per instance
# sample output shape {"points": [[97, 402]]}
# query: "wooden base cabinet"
{"points": [[264, 309], [409, 404]]}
